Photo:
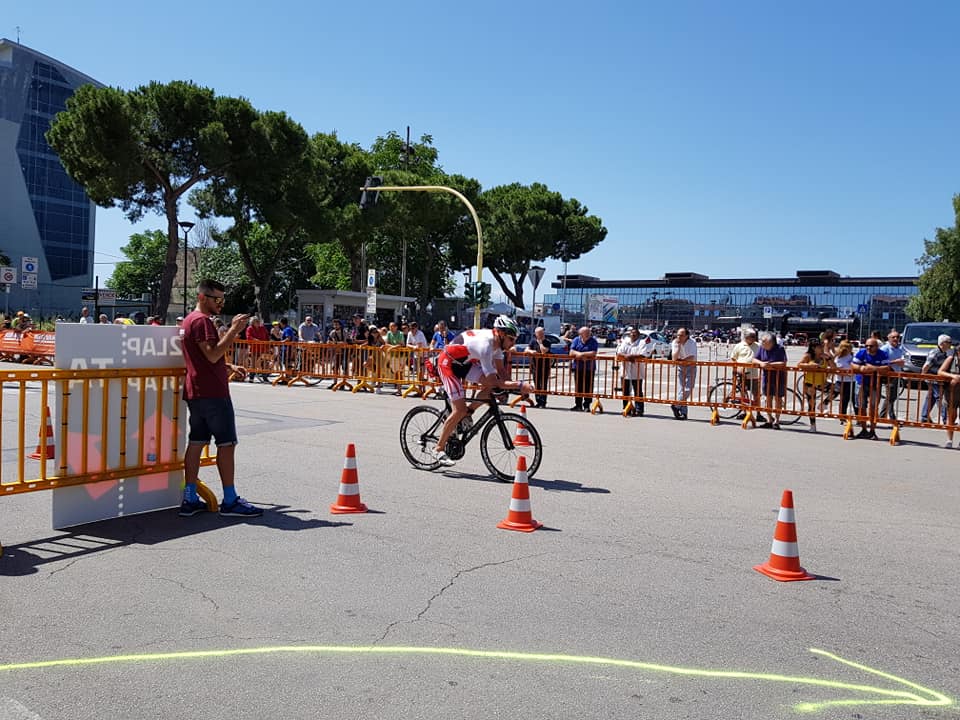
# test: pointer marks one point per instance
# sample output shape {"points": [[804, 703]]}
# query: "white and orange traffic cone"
{"points": [[48, 450], [521, 436], [519, 516], [784, 562], [348, 501]]}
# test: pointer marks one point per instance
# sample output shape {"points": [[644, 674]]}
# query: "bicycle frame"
{"points": [[491, 415]]}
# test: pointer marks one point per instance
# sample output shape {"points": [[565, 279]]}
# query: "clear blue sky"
{"points": [[729, 138]]}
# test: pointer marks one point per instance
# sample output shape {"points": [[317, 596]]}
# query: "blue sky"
{"points": [[734, 139]]}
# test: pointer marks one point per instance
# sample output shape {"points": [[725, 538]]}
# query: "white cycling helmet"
{"points": [[505, 323]]}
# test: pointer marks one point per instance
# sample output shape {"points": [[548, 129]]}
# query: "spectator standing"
{"points": [[772, 360], [933, 363], [441, 337], [85, 318], [308, 331], [104, 320], [748, 377], [395, 341], [207, 393], [683, 350], [583, 351], [871, 363], [417, 341], [539, 348], [258, 338], [896, 359], [951, 393], [630, 354]]}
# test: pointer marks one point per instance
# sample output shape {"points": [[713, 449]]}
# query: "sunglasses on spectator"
{"points": [[216, 298]]}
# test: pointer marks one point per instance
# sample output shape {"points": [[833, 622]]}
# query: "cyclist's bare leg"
{"points": [[457, 413]]}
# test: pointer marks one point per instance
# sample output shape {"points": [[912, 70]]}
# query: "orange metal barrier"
{"points": [[31, 347]]}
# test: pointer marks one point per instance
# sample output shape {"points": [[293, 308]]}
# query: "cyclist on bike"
{"points": [[477, 357]]}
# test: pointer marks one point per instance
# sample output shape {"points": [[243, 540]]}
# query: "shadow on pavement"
{"points": [[556, 485], [146, 529]]}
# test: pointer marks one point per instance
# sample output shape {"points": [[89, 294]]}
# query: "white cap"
{"points": [[944, 338]]}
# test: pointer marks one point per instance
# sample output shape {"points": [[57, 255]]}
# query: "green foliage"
{"points": [[143, 149], [523, 225], [939, 282], [146, 253], [332, 264]]}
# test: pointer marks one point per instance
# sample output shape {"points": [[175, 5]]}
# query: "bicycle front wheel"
{"points": [[723, 398], [505, 440], [793, 404], [419, 433]]}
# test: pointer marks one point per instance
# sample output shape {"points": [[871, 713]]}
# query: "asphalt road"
{"points": [[638, 598]]}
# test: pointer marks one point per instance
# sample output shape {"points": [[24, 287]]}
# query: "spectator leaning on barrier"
{"points": [[748, 378], [630, 351], [935, 395], [418, 342], [85, 318], [951, 392], [843, 360], [207, 393], [815, 365], [772, 360], [583, 351], [683, 350], [104, 320], [896, 359], [870, 362], [539, 348], [394, 341]]}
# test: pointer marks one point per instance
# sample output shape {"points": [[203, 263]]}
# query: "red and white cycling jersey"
{"points": [[469, 356]]}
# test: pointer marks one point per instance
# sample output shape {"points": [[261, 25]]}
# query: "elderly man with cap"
{"points": [[935, 394]]}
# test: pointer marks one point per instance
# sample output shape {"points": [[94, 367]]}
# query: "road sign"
{"points": [[8, 276], [29, 265], [862, 309], [371, 301], [767, 312], [535, 273], [371, 278], [28, 281]]}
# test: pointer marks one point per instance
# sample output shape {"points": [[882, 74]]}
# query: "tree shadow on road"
{"points": [[146, 529]]}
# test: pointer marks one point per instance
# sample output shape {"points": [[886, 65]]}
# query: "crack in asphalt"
{"points": [[182, 586], [447, 586]]}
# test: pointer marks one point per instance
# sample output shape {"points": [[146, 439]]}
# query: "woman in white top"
{"points": [[843, 361]]}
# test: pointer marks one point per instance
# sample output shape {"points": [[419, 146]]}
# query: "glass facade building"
{"points": [[43, 213], [813, 299]]}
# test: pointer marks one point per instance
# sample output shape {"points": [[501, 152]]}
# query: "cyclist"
{"points": [[477, 357]]}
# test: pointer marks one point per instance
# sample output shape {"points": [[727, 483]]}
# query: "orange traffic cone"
{"points": [[784, 562], [519, 517], [348, 501], [51, 447], [522, 437]]}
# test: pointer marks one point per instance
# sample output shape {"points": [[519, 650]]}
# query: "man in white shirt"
{"points": [[630, 353], [85, 318], [683, 350], [897, 358], [418, 342], [747, 378]]}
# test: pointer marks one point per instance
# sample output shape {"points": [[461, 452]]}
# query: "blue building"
{"points": [[43, 213], [811, 300]]}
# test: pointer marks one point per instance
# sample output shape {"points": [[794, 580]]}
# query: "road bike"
{"points": [[731, 397], [504, 437]]}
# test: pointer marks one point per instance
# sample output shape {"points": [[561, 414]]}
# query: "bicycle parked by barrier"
{"points": [[730, 397], [504, 437]]}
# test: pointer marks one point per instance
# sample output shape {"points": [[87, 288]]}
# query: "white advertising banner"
{"points": [[122, 347]]}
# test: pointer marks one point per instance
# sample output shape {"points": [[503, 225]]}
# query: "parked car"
{"points": [[920, 338], [662, 345]]}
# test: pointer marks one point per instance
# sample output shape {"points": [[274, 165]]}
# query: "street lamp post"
{"points": [[187, 227]]}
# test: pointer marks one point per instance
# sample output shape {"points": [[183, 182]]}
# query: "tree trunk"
{"points": [[170, 266], [515, 293]]}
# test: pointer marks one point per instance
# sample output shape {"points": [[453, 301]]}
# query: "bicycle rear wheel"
{"points": [[419, 432], [793, 404], [500, 449]]}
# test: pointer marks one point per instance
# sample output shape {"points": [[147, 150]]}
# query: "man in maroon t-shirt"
{"points": [[207, 393]]}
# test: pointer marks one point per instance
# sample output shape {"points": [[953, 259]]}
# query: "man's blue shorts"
{"points": [[212, 417]]}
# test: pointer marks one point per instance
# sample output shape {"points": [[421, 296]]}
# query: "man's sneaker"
{"points": [[948, 444], [441, 457], [189, 509], [240, 508]]}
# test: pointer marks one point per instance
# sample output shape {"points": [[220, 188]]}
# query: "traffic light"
{"points": [[470, 294], [483, 293], [369, 198]]}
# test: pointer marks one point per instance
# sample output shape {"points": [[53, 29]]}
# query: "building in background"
{"points": [[46, 220], [811, 301]]}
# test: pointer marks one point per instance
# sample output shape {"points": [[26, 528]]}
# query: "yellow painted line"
{"points": [[918, 695]]}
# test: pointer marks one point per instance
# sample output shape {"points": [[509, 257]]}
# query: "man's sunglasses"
{"points": [[219, 299]]}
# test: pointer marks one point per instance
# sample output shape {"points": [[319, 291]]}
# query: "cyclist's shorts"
{"points": [[451, 383]]}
